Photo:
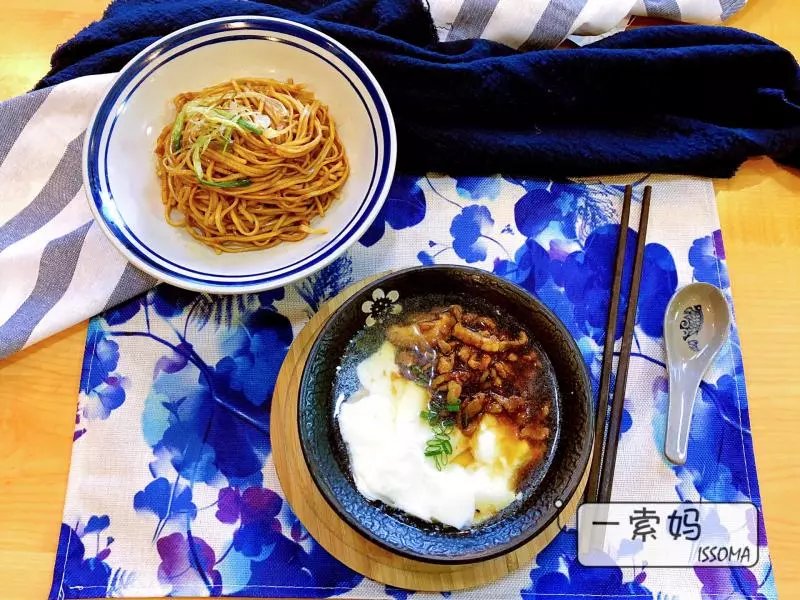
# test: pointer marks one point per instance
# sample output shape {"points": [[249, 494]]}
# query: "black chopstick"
{"points": [[592, 483], [612, 437]]}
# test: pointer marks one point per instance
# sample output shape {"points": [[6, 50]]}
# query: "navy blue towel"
{"points": [[680, 99]]}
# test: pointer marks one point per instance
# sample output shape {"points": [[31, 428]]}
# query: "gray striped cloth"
{"points": [[546, 23], [57, 268]]}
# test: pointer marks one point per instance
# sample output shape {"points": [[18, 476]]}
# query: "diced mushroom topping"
{"points": [[475, 366], [444, 365]]}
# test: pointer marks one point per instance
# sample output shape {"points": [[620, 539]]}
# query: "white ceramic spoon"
{"points": [[696, 326]]}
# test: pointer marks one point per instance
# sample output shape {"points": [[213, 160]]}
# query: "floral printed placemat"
{"points": [[172, 490]]}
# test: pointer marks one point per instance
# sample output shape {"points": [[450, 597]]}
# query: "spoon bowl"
{"points": [[696, 325]]}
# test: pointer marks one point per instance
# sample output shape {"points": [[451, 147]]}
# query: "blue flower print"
{"points": [[404, 207], [658, 284], [188, 565], [558, 573], [533, 268], [720, 466], [586, 208], [206, 365], [97, 524], [732, 583], [534, 211], [398, 593], [100, 359], [587, 277], [529, 269], [124, 312], [275, 560], [166, 301], [291, 571], [268, 298], [470, 229], [298, 532], [327, 283], [425, 258], [208, 422], [254, 353], [165, 500], [478, 188], [576, 208], [174, 361], [627, 421], [205, 437], [83, 577], [224, 311], [103, 387], [258, 509], [529, 184], [707, 257], [720, 461], [229, 505], [178, 412], [171, 301]]}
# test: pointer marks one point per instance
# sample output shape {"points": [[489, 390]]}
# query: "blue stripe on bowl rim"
{"points": [[96, 143]]}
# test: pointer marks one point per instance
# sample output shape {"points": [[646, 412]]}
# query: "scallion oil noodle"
{"points": [[247, 164]]}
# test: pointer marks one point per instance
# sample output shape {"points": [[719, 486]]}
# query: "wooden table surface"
{"points": [[760, 215]]}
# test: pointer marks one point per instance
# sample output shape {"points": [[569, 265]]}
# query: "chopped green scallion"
{"points": [[225, 184], [228, 139], [250, 127], [241, 122], [177, 131]]}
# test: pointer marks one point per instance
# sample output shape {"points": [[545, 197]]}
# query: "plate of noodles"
{"points": [[239, 154]]}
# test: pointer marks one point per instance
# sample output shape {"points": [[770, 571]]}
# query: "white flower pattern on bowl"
{"points": [[381, 305]]}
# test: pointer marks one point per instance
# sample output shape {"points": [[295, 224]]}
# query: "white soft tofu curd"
{"points": [[386, 438]]}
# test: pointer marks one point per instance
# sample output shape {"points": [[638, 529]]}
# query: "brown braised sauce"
{"points": [[475, 367]]}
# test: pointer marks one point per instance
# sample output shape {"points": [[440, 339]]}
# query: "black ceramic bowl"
{"points": [[346, 339]]}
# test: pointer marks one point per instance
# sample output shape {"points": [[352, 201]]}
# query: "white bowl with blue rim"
{"points": [[119, 162]]}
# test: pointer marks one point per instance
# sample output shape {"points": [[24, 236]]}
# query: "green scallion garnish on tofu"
{"points": [[439, 447]]}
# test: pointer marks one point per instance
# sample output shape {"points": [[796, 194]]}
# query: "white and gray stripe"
{"points": [[86, 288], [557, 22], [59, 190], [663, 9], [529, 24], [729, 7], [472, 18], [14, 116], [131, 283], [55, 274], [56, 268]]}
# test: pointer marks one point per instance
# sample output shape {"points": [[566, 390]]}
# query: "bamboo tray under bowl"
{"points": [[342, 540]]}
